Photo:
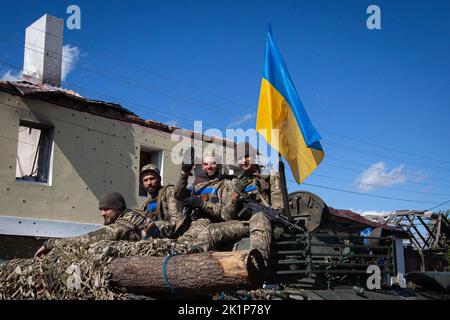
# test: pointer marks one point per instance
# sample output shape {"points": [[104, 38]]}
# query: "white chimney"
{"points": [[43, 51]]}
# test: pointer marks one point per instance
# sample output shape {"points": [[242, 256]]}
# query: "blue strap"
{"points": [[151, 206], [250, 188], [164, 272], [206, 191]]}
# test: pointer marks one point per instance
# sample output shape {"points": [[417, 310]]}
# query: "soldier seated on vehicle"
{"points": [[120, 223], [161, 205], [249, 186], [211, 197]]}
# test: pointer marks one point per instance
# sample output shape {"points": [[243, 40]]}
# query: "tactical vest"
{"points": [[206, 192], [153, 206]]}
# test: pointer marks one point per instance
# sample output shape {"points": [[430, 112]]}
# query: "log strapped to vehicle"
{"points": [[191, 274], [84, 269]]}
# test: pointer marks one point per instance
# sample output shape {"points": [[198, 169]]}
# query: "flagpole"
{"points": [[283, 184]]}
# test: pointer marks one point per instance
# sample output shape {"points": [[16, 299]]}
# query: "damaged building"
{"points": [[60, 151]]}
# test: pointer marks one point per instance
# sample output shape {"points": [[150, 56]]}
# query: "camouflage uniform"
{"points": [[195, 229], [163, 211], [265, 190], [128, 226], [219, 204]]}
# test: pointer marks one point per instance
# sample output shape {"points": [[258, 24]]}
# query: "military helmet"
{"points": [[150, 168]]}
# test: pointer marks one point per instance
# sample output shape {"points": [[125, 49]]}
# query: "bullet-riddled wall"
{"points": [[91, 154]]}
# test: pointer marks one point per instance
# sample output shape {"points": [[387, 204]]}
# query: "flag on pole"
{"points": [[280, 108]]}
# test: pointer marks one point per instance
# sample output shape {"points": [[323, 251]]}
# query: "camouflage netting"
{"points": [[77, 269]]}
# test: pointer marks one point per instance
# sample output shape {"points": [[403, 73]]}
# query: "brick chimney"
{"points": [[43, 51]]}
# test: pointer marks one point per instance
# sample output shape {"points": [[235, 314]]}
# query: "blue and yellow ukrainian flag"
{"points": [[280, 108]]}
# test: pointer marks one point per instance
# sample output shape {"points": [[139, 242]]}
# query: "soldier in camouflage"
{"points": [[211, 196], [250, 185], [161, 205], [120, 223]]}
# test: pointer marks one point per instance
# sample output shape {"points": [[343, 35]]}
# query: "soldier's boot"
{"points": [[220, 233], [194, 230], [261, 234]]}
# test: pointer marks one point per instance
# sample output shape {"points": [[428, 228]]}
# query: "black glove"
{"points": [[188, 160], [193, 202]]}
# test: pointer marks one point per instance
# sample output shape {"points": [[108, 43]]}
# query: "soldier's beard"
{"points": [[152, 190], [108, 220]]}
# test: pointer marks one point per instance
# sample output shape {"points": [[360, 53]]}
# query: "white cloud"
{"points": [[241, 119], [377, 175], [70, 56], [11, 75]]}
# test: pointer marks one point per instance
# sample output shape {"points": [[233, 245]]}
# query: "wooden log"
{"points": [[190, 274]]}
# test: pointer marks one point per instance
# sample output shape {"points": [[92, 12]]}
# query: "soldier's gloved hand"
{"points": [[152, 231], [188, 161], [186, 167], [193, 202]]}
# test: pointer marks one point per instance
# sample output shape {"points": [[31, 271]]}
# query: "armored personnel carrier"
{"points": [[339, 254]]}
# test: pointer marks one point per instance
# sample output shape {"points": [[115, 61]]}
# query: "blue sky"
{"points": [[363, 89]]}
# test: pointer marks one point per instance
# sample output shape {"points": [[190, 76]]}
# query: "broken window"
{"points": [[34, 152], [149, 156]]}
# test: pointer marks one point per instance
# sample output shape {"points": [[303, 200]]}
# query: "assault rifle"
{"points": [[252, 207]]}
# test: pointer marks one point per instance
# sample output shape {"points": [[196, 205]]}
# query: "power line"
{"points": [[171, 78], [363, 194], [384, 177], [144, 86], [365, 165], [138, 106], [383, 187], [201, 104], [170, 94], [439, 205], [362, 151], [383, 147], [144, 108], [231, 114], [319, 186]]}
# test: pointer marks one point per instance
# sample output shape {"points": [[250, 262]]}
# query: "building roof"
{"points": [[71, 99], [359, 219]]}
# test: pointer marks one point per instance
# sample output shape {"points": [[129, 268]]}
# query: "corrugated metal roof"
{"points": [[357, 218]]}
